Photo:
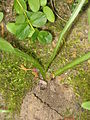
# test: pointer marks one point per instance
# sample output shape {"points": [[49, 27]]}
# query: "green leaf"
{"points": [[5, 46], [64, 31], [38, 19], [23, 30], [34, 5], [73, 63], [44, 37], [20, 30], [49, 13], [86, 105], [34, 36], [20, 19], [43, 2], [31, 32], [1, 16], [11, 27], [89, 16], [29, 14], [19, 5]]}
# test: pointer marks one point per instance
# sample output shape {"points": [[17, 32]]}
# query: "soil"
{"points": [[57, 99], [50, 103]]}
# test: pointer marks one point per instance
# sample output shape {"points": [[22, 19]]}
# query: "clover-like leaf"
{"points": [[1, 16], [34, 36], [5, 46], [31, 32], [49, 13], [11, 27], [34, 5], [20, 30], [38, 19], [44, 37], [20, 19], [19, 6], [23, 30], [43, 2], [29, 13]]}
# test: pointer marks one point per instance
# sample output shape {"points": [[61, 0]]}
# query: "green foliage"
{"points": [[26, 26], [64, 31], [73, 63], [49, 14], [22, 31], [38, 19], [44, 37], [19, 6], [28, 20], [1, 16], [43, 2], [20, 19], [34, 5], [5, 46], [35, 34], [11, 27], [86, 105]]}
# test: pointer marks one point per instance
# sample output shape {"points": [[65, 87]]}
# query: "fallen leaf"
{"points": [[23, 68]]}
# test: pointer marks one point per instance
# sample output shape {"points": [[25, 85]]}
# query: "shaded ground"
{"points": [[60, 98]]}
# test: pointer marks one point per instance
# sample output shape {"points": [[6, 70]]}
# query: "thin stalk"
{"points": [[25, 15], [72, 64], [66, 28]]}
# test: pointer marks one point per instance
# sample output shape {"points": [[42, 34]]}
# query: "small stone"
{"points": [[86, 31], [43, 84]]}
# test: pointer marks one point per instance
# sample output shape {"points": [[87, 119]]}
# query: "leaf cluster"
{"points": [[29, 21]]}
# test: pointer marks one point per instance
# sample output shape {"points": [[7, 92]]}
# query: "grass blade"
{"points": [[66, 28], [72, 64]]}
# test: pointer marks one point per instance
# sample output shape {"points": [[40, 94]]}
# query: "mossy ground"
{"points": [[14, 82]]}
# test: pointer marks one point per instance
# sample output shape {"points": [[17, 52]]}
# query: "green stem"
{"points": [[66, 28], [25, 15], [72, 64]]}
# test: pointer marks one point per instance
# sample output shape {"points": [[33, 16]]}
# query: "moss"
{"points": [[14, 82]]}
